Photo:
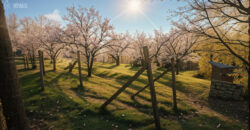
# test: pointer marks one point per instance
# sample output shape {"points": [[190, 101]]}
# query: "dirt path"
{"points": [[230, 111]]}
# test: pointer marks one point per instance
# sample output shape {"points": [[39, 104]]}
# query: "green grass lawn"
{"points": [[64, 106]]}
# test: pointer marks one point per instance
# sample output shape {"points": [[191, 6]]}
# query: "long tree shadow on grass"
{"points": [[166, 81], [108, 67], [108, 114], [22, 70], [121, 79], [30, 85], [134, 68], [65, 76], [40, 105], [147, 108]]}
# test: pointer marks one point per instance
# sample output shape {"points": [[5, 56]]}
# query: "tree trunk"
{"points": [[117, 60], [27, 62], [248, 70], [54, 63], [90, 66], [89, 71], [30, 58], [79, 68], [33, 60], [10, 94], [173, 85], [177, 66], [248, 87], [24, 63], [44, 73], [88, 63], [41, 69]]}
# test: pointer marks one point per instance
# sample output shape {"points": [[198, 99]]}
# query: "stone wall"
{"points": [[225, 90]]}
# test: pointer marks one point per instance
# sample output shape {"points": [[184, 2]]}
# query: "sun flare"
{"points": [[134, 6]]}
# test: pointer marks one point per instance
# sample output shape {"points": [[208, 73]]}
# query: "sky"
{"points": [[125, 15]]}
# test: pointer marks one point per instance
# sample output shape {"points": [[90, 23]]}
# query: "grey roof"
{"points": [[220, 65]]}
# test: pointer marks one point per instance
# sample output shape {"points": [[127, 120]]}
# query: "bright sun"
{"points": [[134, 6]]}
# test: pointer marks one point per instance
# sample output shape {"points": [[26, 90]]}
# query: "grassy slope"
{"points": [[65, 106]]}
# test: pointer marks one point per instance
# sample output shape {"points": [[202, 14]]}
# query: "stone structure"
{"points": [[225, 90], [222, 72]]}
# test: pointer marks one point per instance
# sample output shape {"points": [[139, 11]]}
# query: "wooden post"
{"points": [[142, 89], [152, 89], [24, 63], [79, 68], [123, 87], [41, 70], [44, 73], [173, 85]]}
